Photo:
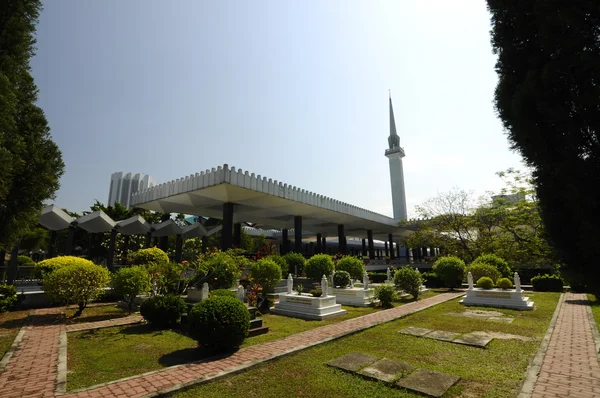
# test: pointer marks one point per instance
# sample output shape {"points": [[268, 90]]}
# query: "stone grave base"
{"points": [[307, 307], [354, 297], [474, 339], [510, 298]]}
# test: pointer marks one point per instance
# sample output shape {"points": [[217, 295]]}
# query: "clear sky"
{"points": [[293, 90]]}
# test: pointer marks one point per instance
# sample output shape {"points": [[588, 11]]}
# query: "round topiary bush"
{"points": [[485, 283], [221, 271], [219, 323], [318, 265], [47, 266], [504, 283], [353, 265], [25, 261], [163, 311], [130, 282], [77, 283], [8, 297], [451, 270], [497, 262], [341, 279], [479, 270], [221, 293], [152, 255], [280, 260], [386, 295], [409, 280], [295, 262], [265, 272]]}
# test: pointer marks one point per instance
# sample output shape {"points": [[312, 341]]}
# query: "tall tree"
{"points": [[548, 100], [30, 162]]}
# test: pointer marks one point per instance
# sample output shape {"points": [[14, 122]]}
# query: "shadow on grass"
{"points": [[13, 323], [189, 355], [583, 302], [94, 318], [46, 319]]}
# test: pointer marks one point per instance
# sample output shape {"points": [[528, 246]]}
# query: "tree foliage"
{"points": [[547, 98], [31, 163]]}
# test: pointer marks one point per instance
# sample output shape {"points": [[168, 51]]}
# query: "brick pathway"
{"points": [[75, 327], [570, 367]]}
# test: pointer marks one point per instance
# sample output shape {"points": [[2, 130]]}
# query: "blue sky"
{"points": [[293, 90]]}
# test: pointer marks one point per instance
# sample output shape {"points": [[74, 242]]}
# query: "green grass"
{"points": [[102, 355], [10, 324], [595, 303], [95, 314], [492, 372]]}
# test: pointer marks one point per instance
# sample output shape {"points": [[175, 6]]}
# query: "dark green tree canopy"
{"points": [[30, 162], [548, 100]]}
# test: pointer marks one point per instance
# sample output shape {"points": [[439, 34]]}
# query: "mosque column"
{"points": [[392, 252], [298, 234], [319, 245], [364, 247], [371, 244], [284, 241], [237, 234], [387, 253], [227, 231], [52, 245], [342, 240], [324, 245], [70, 240]]}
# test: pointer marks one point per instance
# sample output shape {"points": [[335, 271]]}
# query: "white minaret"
{"points": [[395, 154]]}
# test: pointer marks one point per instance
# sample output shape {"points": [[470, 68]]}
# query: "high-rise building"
{"points": [[122, 185], [395, 154]]}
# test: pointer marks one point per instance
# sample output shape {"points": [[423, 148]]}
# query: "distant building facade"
{"points": [[122, 185]]}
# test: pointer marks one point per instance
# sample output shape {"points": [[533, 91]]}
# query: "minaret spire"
{"points": [[395, 154], [393, 139]]}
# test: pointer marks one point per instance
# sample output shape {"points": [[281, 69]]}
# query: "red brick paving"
{"points": [[570, 366], [104, 324]]}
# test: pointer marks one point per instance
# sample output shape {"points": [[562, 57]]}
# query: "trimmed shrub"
{"points": [[295, 263], [386, 294], [547, 283], [376, 277], [221, 293], [25, 261], [341, 279], [497, 262], [130, 282], [409, 280], [316, 292], [353, 265], [8, 297], [451, 270], [280, 260], [479, 270], [219, 323], [431, 280], [485, 283], [504, 283], [221, 271], [163, 311], [318, 265], [77, 283], [47, 266], [152, 255], [265, 272]]}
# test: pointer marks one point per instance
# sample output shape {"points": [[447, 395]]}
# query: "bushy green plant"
{"points": [[497, 262], [165, 277], [316, 292], [47, 266], [152, 255], [431, 280], [222, 292], [130, 282], [376, 277], [220, 270], [353, 265], [386, 294], [485, 282], [450, 269], [25, 261], [318, 265], [504, 283], [280, 260], [8, 297], [77, 283], [547, 283], [479, 270], [409, 280], [299, 288], [163, 311], [219, 323], [265, 272], [295, 263], [341, 279]]}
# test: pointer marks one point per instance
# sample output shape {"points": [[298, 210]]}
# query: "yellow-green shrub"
{"points": [[45, 267]]}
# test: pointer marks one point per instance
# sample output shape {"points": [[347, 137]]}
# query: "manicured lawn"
{"points": [[102, 355], [595, 308], [95, 314], [10, 324], [492, 372]]}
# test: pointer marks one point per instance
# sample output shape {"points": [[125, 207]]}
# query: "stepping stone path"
{"points": [[473, 340], [428, 382], [421, 380], [386, 370], [416, 331], [493, 316], [442, 335]]}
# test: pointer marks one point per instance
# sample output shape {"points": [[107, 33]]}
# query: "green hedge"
{"points": [[163, 311], [547, 283], [376, 277]]}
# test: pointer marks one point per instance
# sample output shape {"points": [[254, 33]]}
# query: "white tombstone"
{"points": [[470, 280], [290, 284], [332, 282], [204, 293], [517, 282], [324, 286], [241, 294], [365, 281], [389, 274], [351, 283]]}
